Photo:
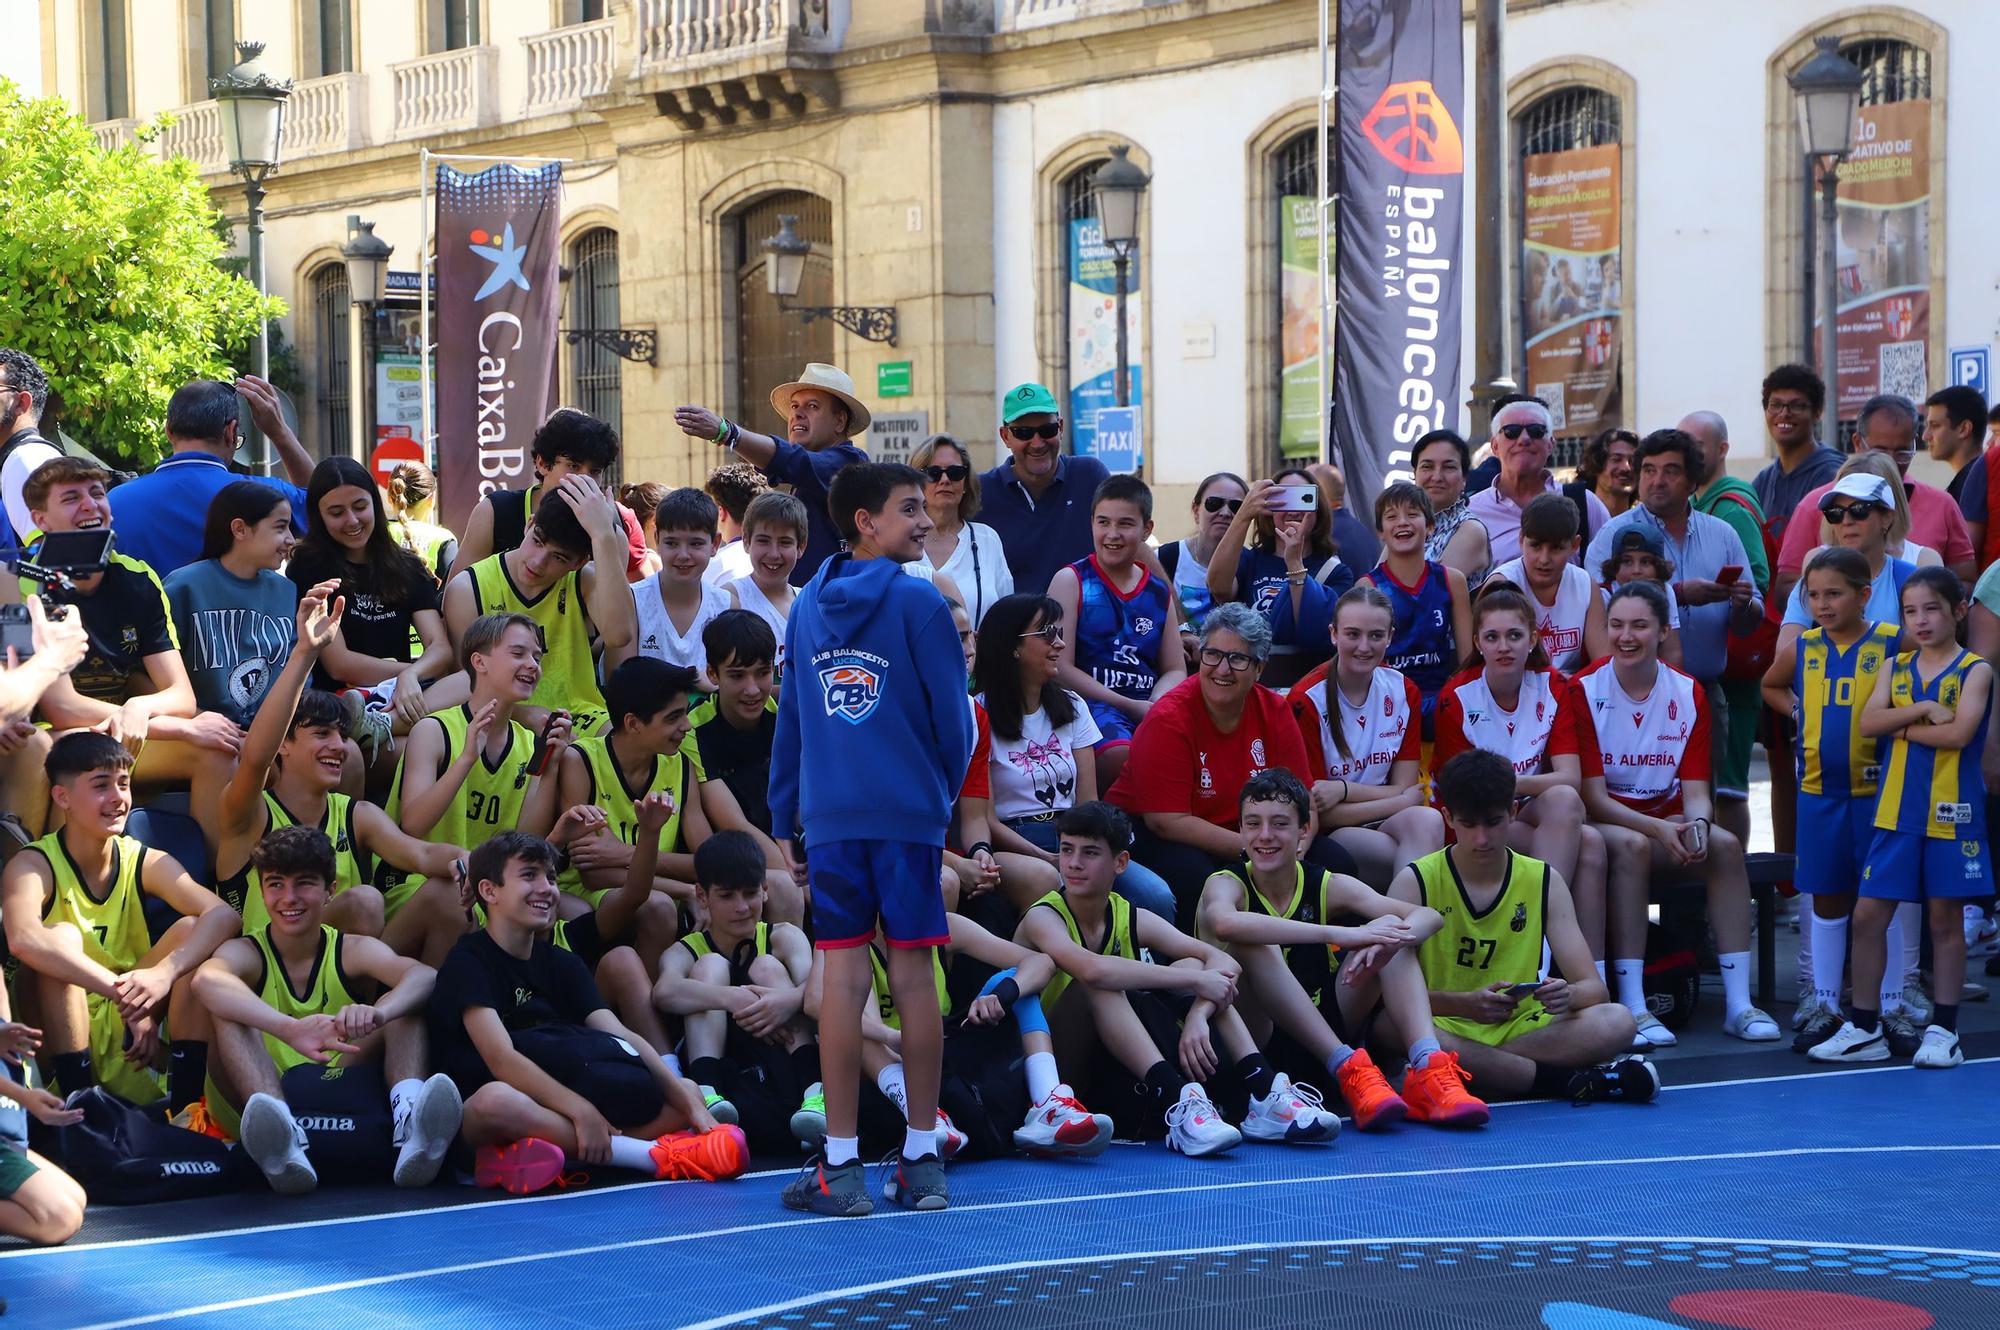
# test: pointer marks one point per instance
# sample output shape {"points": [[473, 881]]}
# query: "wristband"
{"points": [[1009, 993], [1028, 1017], [721, 430], [734, 431], [972, 850]]}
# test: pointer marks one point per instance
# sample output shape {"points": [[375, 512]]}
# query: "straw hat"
{"points": [[829, 380]]}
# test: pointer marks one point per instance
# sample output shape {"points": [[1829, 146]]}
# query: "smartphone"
{"points": [[1728, 575], [1523, 990], [1694, 835], [17, 632], [539, 759], [1293, 499], [75, 551]]}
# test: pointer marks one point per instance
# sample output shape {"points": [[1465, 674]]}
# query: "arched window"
{"points": [[332, 312], [1295, 221], [773, 344], [1572, 261], [595, 378]]}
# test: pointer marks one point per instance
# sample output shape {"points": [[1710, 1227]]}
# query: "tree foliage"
{"points": [[110, 276]]}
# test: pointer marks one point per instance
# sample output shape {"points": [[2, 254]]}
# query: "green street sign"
{"points": [[893, 379]]}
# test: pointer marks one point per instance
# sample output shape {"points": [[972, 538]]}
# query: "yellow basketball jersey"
{"points": [[488, 803], [1502, 943], [885, 1002], [245, 891], [1117, 937], [678, 773], [326, 992], [569, 671]]}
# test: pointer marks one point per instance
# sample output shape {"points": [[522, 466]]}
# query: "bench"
{"points": [[1766, 871]]}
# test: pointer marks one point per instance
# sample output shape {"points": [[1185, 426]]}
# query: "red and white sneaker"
{"points": [[1059, 1125], [950, 1140]]}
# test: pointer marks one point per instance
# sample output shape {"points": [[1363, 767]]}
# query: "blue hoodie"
{"points": [[874, 730]]}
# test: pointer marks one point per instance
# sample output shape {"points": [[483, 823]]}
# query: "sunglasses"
{"points": [[1023, 433], [1535, 431], [1857, 512], [1215, 503], [1049, 632], [951, 473]]}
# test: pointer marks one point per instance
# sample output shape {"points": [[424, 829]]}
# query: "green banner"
{"points": [[1300, 401]]}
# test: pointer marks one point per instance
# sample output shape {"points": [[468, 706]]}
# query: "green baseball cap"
{"points": [[1030, 399]]}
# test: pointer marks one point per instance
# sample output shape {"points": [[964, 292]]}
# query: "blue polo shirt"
{"points": [[158, 517], [1041, 535], [810, 474]]}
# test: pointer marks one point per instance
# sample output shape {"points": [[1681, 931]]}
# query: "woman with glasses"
{"points": [[1606, 469], [1900, 545], [1859, 513], [1457, 540], [967, 552], [1198, 747], [1290, 571], [1217, 500]]}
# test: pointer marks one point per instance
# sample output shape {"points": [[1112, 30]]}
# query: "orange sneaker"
{"points": [[1368, 1093], [196, 1118], [707, 1156], [519, 1167], [1436, 1093]]}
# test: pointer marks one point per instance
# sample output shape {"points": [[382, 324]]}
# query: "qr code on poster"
{"points": [[1902, 369], [1552, 393]]}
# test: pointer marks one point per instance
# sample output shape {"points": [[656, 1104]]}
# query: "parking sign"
{"points": [[1972, 367]]}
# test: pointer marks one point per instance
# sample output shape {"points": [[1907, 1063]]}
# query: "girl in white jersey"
{"points": [[1646, 780], [1359, 720]]}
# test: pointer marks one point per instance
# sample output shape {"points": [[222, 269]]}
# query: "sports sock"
{"points": [[633, 1153], [1910, 914], [1806, 948], [71, 1071], [1945, 1015], [1864, 1020], [890, 1081], [1631, 985], [805, 1064], [1165, 1081], [1551, 1081], [187, 1068], [673, 1064], [917, 1142], [708, 1071], [1042, 1076], [1829, 957], [1256, 1075], [1892, 966], [1420, 1052], [1600, 970], [842, 1150], [403, 1092], [1338, 1058], [1735, 980]]}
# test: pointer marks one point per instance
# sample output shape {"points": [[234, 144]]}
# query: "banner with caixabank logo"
{"points": [[1402, 202], [497, 308]]}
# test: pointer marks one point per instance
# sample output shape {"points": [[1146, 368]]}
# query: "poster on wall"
{"points": [[399, 407], [1093, 330], [1300, 400], [1573, 285], [1883, 257]]}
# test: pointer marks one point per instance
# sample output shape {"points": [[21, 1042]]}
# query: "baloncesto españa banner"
{"points": [[497, 302], [1402, 174]]}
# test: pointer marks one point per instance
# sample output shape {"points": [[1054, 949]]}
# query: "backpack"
{"points": [[132, 1156], [1750, 655]]}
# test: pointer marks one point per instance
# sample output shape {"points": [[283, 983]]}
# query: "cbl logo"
{"points": [[852, 688]]}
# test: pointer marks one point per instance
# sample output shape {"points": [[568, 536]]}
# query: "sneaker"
{"points": [[950, 1140], [701, 1156], [519, 1168], [1753, 1025], [1059, 1125], [1292, 1114], [425, 1129], [718, 1108], [196, 1118], [1627, 1080], [809, 1123], [1195, 1129], [369, 729], [1939, 1051], [1916, 1003], [1851, 1044], [1373, 1101], [917, 1184], [830, 1189], [1971, 992], [1652, 1034], [273, 1137], [1809, 1007], [1982, 935], [1822, 1027], [1901, 1034], [1436, 1094]]}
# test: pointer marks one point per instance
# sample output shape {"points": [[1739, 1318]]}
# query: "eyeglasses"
{"points": [[1858, 512], [1215, 658], [1049, 632], [951, 473], [1215, 503], [1535, 431], [1023, 433], [1788, 408]]}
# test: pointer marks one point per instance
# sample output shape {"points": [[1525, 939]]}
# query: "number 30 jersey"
{"points": [[490, 800]]}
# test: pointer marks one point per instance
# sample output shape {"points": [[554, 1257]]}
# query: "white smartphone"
{"points": [[1293, 499]]}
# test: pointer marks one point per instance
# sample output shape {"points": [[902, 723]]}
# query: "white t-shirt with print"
{"points": [[1036, 773]]}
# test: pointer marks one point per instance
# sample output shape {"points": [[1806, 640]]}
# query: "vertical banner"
{"points": [[1884, 257], [497, 299], [1299, 403], [1402, 208], [1093, 329], [1572, 285]]}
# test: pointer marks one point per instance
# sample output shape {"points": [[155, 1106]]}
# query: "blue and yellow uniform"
{"points": [[1839, 768], [1118, 636], [1475, 948], [1930, 822], [1421, 645]]}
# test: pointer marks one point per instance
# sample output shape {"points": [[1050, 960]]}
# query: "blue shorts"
{"points": [[1834, 836], [1113, 724], [856, 882], [1907, 867]]}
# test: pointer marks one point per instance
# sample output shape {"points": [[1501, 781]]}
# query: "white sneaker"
{"points": [[1982, 935], [1809, 1007], [950, 1140], [1195, 1129], [425, 1130], [1290, 1114], [273, 1137], [1917, 1003], [1851, 1044], [1940, 1049], [1059, 1125], [1753, 1025], [1651, 1034]]}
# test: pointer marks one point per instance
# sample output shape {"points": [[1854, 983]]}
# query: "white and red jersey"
{"points": [[1379, 733], [1542, 723], [1560, 625], [1646, 746]]}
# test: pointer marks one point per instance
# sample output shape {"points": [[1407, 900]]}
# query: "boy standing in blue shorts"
{"points": [[872, 740]]}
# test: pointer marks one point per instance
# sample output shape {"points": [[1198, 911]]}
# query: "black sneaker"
{"points": [[1904, 1037], [918, 1184], [1822, 1026], [830, 1189], [1626, 1080]]}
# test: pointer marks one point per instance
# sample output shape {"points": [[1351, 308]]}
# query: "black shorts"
{"points": [[601, 1067]]}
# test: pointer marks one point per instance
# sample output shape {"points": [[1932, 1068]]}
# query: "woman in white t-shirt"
{"points": [[967, 552], [1042, 763]]}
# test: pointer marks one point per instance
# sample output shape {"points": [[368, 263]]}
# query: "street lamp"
{"points": [[1119, 186], [251, 102], [785, 268], [367, 256], [1829, 92]]}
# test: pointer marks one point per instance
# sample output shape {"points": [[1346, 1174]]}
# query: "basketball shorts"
{"points": [[1907, 867], [1834, 836], [1529, 1015], [854, 883]]}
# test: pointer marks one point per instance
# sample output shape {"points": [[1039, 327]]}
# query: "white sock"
{"points": [[890, 1081], [842, 1150], [917, 1142], [1806, 948], [1600, 973], [1735, 980], [633, 1153], [673, 1063], [1631, 984], [1829, 949], [403, 1093], [1042, 1077], [1910, 914], [1891, 998]]}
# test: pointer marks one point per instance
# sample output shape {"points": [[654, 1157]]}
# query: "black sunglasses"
{"points": [[940, 473], [1859, 511], [1515, 431], [1215, 503], [1022, 433]]}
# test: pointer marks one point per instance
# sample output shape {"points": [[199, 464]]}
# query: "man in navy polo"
{"points": [[1038, 500]]}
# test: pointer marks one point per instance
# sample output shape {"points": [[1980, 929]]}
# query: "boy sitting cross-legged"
{"points": [[1294, 928], [291, 1020]]}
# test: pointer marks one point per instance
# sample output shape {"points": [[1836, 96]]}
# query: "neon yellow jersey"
{"points": [[885, 1001], [703, 944], [488, 803], [115, 936], [327, 990], [244, 892], [569, 671], [1117, 937], [678, 773], [1475, 948]]}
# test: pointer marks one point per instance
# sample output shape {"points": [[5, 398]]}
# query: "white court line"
{"points": [[23, 1253], [662, 1240]]}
